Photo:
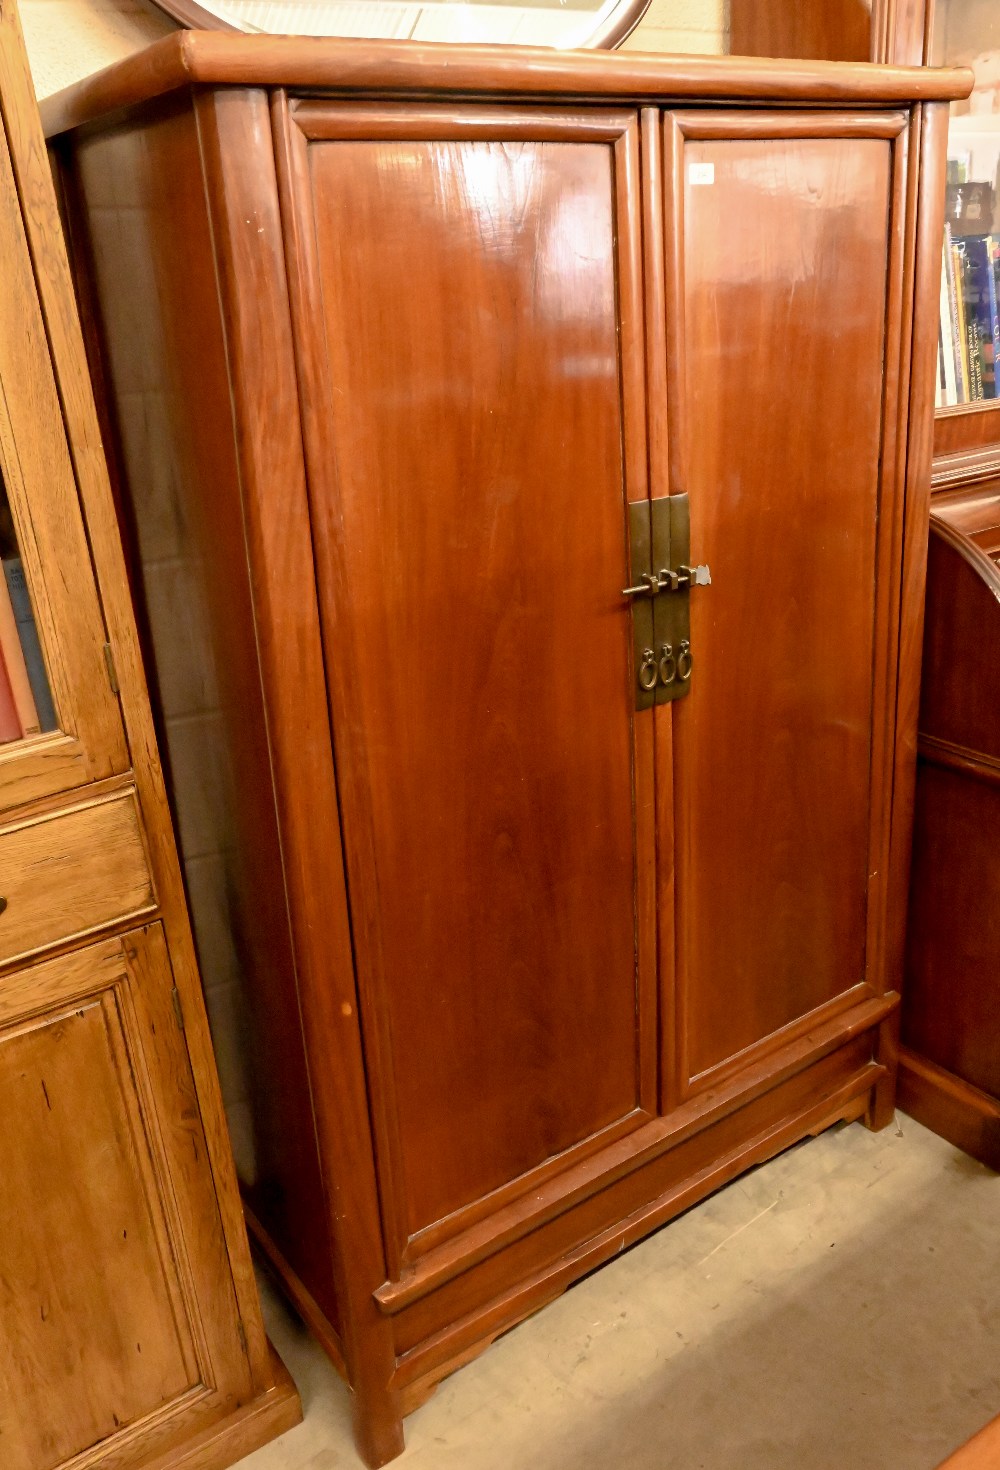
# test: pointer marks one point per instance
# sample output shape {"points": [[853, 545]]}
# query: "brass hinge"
{"points": [[662, 578], [109, 661], [178, 1008]]}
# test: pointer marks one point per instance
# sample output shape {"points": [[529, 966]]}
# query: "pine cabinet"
{"points": [[116, 1301], [549, 439], [130, 1329]]}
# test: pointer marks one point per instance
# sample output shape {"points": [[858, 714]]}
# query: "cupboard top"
{"points": [[410, 68]]}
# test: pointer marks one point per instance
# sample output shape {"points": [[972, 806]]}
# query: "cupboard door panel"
{"points": [[109, 1282], [780, 271], [471, 548], [86, 1298]]}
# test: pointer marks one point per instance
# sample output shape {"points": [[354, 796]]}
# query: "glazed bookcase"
{"points": [[130, 1327]]}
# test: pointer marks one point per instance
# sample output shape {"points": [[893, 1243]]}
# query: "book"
{"points": [[24, 616], [975, 360], [979, 293], [948, 394], [17, 670], [10, 725], [955, 335], [961, 334], [993, 299]]}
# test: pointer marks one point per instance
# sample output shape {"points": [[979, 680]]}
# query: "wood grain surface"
{"points": [[53, 889], [782, 464], [408, 67], [951, 1021], [485, 746], [463, 323]]}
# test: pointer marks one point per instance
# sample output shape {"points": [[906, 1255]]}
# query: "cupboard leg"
{"points": [[882, 1103], [378, 1426]]}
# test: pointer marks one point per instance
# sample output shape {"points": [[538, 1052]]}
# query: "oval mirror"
{"points": [[561, 23]]}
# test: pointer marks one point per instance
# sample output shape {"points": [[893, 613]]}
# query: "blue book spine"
{"points": [[978, 283], [20, 597], [991, 280]]}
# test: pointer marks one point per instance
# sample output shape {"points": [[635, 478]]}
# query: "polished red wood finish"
{"points": [[497, 970], [770, 844], [562, 967], [950, 1070], [833, 30]]}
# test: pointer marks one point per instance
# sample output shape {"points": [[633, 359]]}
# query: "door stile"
{"points": [[915, 447], [631, 200], [660, 367], [665, 255], [314, 374], [902, 211]]}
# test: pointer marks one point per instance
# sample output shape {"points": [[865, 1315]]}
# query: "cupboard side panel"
{"points": [[138, 209]]}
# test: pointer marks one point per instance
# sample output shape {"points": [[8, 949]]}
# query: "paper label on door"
{"points": [[701, 173]]}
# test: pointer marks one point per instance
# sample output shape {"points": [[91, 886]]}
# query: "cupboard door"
{"points": [[471, 320], [114, 1281], [783, 262], [60, 724]]}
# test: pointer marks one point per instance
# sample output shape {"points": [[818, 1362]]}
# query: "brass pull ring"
{"points": [[668, 664], [684, 661], [647, 670]]}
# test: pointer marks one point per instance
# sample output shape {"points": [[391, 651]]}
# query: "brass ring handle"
{"points": [[684, 661], [668, 664], [647, 670]]}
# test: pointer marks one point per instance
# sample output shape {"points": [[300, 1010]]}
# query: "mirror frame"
{"points": [[619, 24]]}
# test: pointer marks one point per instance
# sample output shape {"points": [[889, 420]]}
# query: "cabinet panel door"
{"points": [[782, 242], [113, 1275], [475, 381], [55, 685]]}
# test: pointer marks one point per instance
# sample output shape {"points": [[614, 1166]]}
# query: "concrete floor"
{"points": [[836, 1309]]}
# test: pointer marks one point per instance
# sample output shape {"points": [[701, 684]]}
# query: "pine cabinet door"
{"points": [[784, 248], [60, 723], [114, 1279], [470, 319]]}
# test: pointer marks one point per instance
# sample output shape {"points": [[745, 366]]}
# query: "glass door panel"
{"points": [[967, 33], [26, 704]]}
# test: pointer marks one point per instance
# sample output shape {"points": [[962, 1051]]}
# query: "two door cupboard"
{"points": [[549, 438]]}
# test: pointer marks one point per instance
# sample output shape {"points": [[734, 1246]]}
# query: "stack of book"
{"points": [[969, 340], [26, 706]]}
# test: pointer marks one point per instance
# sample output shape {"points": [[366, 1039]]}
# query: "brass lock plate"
{"points": [[662, 579]]}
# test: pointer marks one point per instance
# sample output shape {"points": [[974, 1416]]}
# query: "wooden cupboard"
{"points": [[130, 1328], [949, 1074], [558, 904]]}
